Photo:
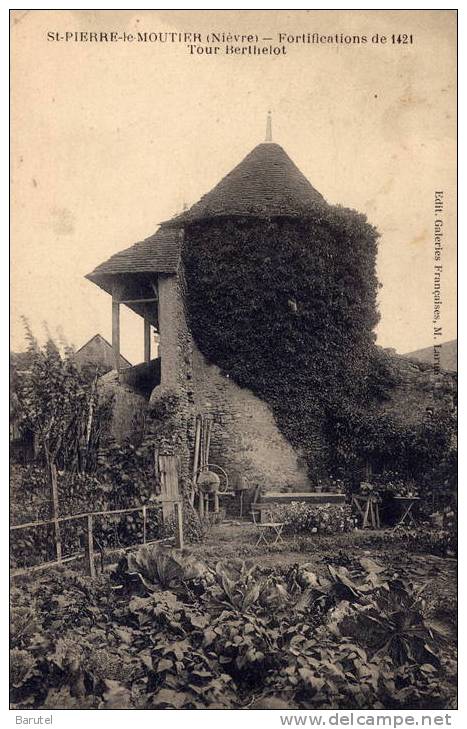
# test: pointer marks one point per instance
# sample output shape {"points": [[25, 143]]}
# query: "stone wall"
{"points": [[129, 410], [245, 438], [171, 403], [175, 339]]}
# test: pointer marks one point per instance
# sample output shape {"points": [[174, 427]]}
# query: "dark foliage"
{"points": [[287, 308], [424, 452], [180, 634], [59, 406], [302, 518], [124, 478]]}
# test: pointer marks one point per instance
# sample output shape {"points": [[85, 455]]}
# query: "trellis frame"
{"points": [[88, 553]]}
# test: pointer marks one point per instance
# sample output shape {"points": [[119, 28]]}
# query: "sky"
{"points": [[110, 139]]}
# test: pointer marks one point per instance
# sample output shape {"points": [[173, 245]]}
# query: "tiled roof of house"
{"points": [[160, 253], [98, 350], [265, 184]]}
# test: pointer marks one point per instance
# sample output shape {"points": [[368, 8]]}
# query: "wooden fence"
{"points": [[88, 534]]}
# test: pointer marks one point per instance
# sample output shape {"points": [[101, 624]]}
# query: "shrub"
{"points": [[60, 407], [194, 529], [440, 542], [300, 517], [425, 452]]}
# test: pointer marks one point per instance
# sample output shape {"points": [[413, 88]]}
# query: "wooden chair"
{"points": [[270, 531]]}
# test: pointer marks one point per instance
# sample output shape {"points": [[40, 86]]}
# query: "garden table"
{"points": [[406, 503]]}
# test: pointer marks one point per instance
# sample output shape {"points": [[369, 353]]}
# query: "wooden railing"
{"points": [[89, 551]]}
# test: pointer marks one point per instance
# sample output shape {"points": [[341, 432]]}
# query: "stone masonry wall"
{"points": [[176, 367], [245, 438]]}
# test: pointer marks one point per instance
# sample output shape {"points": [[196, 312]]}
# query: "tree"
{"points": [[61, 409]]}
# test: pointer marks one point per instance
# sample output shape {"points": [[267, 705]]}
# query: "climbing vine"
{"points": [[287, 308]]}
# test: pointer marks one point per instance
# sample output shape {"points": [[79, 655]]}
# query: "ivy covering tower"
{"points": [[281, 293], [264, 296]]}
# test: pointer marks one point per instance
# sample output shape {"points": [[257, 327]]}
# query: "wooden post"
{"points": [[371, 519], [208, 438], [157, 339], [197, 444], [216, 502], [169, 484], [157, 479], [195, 458], [84, 449], [202, 452], [147, 340], [378, 521], [55, 510], [89, 548], [116, 332], [178, 525], [144, 524], [201, 504], [155, 288], [365, 515]]}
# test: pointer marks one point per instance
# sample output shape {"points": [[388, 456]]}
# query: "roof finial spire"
{"points": [[269, 128]]}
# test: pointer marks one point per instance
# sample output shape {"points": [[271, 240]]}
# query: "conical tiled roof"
{"points": [[265, 184]]}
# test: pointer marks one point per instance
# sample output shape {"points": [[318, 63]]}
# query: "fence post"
{"points": [[157, 477], [144, 524], [55, 510], [178, 525], [89, 548]]}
